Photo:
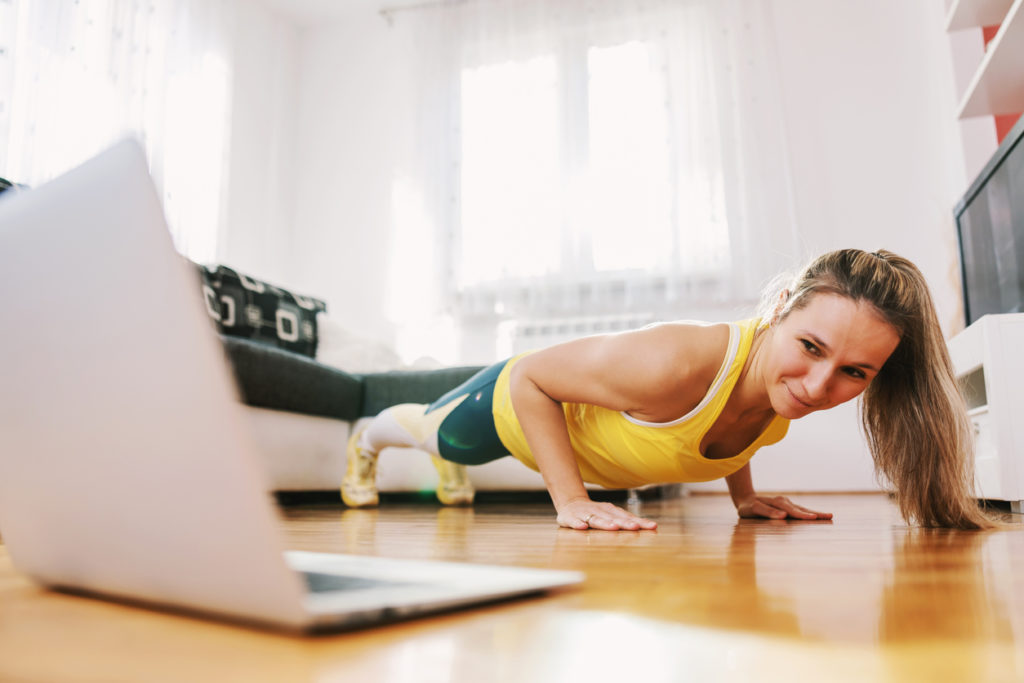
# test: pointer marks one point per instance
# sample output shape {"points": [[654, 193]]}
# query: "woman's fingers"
{"points": [[616, 518], [813, 514], [780, 507], [604, 516], [573, 521], [612, 523], [761, 508]]}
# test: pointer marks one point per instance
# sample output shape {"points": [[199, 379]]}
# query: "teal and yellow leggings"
{"points": [[458, 426]]}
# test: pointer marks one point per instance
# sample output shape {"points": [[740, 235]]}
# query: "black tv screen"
{"points": [[990, 225]]}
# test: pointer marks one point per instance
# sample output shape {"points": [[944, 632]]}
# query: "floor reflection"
{"points": [[865, 579], [948, 584], [797, 579]]}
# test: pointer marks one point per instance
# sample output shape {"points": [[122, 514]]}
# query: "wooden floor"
{"points": [[706, 597]]}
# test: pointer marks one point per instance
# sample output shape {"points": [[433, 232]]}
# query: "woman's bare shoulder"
{"points": [[685, 358], [690, 350], [660, 367]]}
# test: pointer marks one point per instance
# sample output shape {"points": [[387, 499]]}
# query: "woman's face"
{"points": [[825, 354]]}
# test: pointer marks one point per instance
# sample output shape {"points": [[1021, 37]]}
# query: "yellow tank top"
{"points": [[616, 450]]}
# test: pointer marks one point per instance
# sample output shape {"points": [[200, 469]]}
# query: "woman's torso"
{"points": [[616, 450]]}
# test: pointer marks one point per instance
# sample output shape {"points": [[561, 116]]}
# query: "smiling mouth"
{"points": [[805, 404]]}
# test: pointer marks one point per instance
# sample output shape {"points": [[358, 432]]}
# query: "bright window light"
{"points": [[628, 190], [198, 106], [569, 169], [511, 181]]}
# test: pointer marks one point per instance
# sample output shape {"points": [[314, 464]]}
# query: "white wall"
{"points": [[257, 236], [355, 117], [873, 137], [874, 149], [876, 157]]}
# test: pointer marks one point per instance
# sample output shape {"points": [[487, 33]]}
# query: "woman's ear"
{"points": [[779, 306]]}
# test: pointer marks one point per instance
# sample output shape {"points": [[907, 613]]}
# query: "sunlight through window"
{"points": [[76, 77], [195, 132], [511, 183], [569, 169], [628, 192]]}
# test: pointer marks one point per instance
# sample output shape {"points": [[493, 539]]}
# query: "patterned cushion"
{"points": [[246, 307]]}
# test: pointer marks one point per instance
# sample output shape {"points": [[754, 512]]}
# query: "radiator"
{"points": [[516, 336]]}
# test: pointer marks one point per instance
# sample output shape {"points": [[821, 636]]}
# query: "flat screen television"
{"points": [[990, 226]]}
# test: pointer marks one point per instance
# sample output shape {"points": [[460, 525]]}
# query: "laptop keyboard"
{"points": [[325, 583]]}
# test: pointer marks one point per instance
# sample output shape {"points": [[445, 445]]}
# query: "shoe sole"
{"points": [[357, 496]]}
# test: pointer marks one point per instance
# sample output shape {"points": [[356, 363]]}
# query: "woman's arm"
{"points": [[546, 433], [636, 371], [749, 504]]}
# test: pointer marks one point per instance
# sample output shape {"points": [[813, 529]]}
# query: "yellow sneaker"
{"points": [[453, 486], [359, 487]]}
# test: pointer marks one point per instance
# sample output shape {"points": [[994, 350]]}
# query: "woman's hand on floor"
{"points": [[583, 513], [777, 507]]}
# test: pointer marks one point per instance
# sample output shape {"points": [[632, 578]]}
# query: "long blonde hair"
{"points": [[912, 412]]}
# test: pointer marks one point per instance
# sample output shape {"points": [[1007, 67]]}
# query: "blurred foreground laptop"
{"points": [[124, 469]]}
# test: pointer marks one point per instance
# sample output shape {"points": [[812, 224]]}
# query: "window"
{"points": [[578, 165], [76, 77], [570, 172], [512, 206]]}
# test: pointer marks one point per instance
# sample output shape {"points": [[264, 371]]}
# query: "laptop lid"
{"points": [[124, 467]]}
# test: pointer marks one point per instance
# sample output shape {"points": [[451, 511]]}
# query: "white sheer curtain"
{"points": [[76, 76], [587, 157]]}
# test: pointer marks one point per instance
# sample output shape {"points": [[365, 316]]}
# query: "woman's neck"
{"points": [[750, 397]]}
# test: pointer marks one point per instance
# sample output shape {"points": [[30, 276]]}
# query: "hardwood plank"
{"points": [[706, 596]]}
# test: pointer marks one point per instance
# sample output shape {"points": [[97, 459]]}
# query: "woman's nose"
{"points": [[816, 383]]}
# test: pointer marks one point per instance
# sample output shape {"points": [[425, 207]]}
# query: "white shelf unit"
{"points": [[998, 84], [988, 358], [972, 13]]}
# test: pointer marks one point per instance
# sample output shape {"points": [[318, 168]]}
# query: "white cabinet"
{"points": [[988, 358]]}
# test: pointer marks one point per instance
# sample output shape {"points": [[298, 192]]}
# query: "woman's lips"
{"points": [[796, 398]]}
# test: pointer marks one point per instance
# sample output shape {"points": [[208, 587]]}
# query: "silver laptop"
{"points": [[125, 471]]}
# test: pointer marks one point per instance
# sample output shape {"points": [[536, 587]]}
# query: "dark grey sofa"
{"points": [[276, 379]]}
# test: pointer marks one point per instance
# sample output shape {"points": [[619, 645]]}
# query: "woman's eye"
{"points": [[855, 372], [808, 346]]}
